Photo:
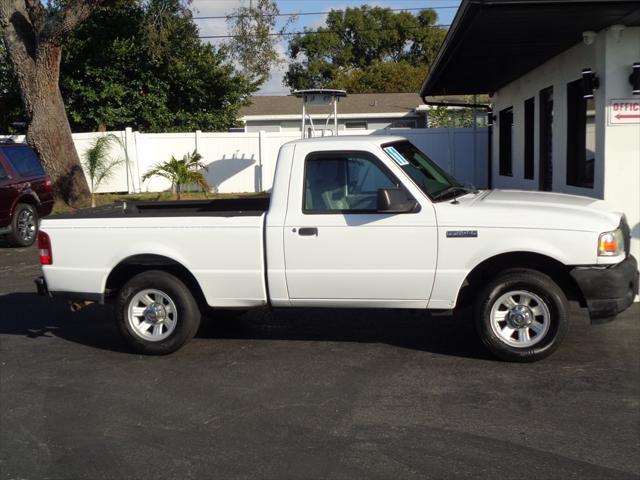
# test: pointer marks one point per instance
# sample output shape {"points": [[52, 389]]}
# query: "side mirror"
{"points": [[395, 200]]}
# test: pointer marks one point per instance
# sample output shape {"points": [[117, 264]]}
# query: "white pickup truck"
{"points": [[352, 222]]}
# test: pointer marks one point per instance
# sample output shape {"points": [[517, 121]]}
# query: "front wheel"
{"points": [[157, 313], [521, 315]]}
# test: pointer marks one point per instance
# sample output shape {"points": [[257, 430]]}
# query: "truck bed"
{"points": [[224, 207], [220, 242]]}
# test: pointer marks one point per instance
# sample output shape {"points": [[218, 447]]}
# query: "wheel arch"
{"points": [[135, 264], [494, 265], [29, 197]]}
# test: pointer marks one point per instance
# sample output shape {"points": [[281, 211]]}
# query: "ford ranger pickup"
{"points": [[351, 222]]}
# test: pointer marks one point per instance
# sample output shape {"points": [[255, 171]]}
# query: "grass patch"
{"points": [[109, 198]]}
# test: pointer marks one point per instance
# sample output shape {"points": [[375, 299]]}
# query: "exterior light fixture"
{"points": [[491, 118], [634, 78], [589, 37], [590, 82]]}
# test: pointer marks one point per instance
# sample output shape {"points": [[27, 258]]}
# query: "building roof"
{"points": [[364, 103], [493, 42]]}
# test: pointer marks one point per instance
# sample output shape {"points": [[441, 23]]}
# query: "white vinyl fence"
{"points": [[245, 162]]}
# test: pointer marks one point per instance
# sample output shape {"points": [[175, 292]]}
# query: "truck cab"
{"points": [[353, 232]]}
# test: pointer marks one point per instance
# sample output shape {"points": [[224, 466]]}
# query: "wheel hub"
{"points": [[26, 225], [155, 313], [520, 316]]}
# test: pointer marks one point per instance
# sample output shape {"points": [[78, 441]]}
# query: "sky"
{"points": [[204, 8]]}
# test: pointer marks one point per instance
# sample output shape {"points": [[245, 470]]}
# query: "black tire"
{"points": [[536, 286], [187, 317], [21, 234]]}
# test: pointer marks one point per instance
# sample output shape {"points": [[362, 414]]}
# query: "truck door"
{"points": [[340, 250]]}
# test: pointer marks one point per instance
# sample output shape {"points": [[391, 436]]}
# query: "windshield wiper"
{"points": [[451, 189], [471, 188]]}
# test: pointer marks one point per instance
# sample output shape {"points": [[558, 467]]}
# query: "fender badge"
{"points": [[462, 233]]}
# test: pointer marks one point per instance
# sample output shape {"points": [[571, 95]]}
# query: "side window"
{"points": [[343, 184], [3, 173], [365, 177], [24, 161]]}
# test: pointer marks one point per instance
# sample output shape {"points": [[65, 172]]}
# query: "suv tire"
{"points": [[24, 226]]}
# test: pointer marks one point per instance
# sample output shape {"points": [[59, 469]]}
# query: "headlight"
{"points": [[611, 244]]}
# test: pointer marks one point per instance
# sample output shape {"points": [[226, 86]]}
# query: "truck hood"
{"points": [[527, 209]]}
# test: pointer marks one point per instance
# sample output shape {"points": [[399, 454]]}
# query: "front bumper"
{"points": [[608, 291]]}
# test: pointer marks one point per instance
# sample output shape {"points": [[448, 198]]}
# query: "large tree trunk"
{"points": [[36, 61], [49, 134]]}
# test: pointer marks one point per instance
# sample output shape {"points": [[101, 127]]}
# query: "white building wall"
{"points": [[622, 142], [617, 155]]}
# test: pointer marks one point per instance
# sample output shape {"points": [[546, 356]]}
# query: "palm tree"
{"points": [[181, 172], [98, 163]]}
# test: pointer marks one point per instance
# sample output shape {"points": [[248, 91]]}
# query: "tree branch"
{"points": [[18, 32], [72, 14], [37, 15]]}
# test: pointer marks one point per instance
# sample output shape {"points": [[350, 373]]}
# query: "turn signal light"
{"points": [[611, 244], [44, 247]]}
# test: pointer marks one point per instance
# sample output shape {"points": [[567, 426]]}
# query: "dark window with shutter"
{"points": [[546, 139], [529, 114], [506, 142], [580, 137]]}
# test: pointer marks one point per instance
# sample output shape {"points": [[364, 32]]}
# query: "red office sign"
{"points": [[624, 111]]}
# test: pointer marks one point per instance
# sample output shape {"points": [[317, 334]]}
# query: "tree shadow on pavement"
{"points": [[35, 317]]}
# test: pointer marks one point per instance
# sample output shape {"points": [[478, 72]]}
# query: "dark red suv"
{"points": [[25, 193]]}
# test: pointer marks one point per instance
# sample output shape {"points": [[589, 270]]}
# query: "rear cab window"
{"points": [[24, 161]]}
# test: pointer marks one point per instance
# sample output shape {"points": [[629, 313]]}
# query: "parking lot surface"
{"points": [[319, 394]]}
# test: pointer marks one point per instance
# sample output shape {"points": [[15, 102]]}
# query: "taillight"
{"points": [[48, 186], [44, 247]]}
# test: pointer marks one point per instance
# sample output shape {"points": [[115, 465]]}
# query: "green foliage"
{"points": [[140, 64], [181, 172], [443, 117], [98, 162], [253, 46], [366, 49], [379, 77], [10, 103]]}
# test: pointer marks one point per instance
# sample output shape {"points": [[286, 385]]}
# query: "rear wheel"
{"points": [[157, 313], [521, 315], [24, 226]]}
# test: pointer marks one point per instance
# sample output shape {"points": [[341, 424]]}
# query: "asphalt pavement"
{"points": [[307, 394]]}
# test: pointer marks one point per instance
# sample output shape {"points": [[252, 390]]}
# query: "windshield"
{"points": [[432, 179]]}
